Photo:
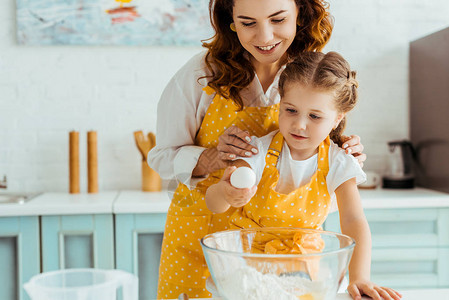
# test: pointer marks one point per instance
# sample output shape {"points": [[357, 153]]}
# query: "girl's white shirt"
{"points": [[296, 173], [181, 110]]}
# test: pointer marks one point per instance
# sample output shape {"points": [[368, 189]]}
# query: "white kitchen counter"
{"points": [[407, 198], [133, 201], [62, 204], [429, 294], [141, 202]]}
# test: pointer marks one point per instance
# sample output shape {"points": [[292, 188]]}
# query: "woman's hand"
{"points": [[235, 142], [365, 287], [353, 146], [232, 143]]}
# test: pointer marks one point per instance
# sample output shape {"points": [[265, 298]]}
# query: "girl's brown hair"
{"points": [[325, 72], [231, 71]]}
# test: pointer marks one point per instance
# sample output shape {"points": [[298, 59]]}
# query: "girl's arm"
{"points": [[222, 195], [354, 224]]}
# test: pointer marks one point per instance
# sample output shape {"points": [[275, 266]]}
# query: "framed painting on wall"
{"points": [[113, 22]]}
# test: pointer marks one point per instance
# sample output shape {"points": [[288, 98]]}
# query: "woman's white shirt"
{"points": [[181, 110]]}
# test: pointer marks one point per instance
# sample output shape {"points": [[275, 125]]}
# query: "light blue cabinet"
{"points": [[138, 240], [77, 241], [410, 246], [19, 255]]}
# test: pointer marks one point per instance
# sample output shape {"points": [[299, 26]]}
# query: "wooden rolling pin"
{"points": [[92, 162], [151, 181], [74, 162]]}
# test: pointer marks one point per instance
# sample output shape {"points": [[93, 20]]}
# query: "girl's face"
{"points": [[265, 28], [306, 118]]}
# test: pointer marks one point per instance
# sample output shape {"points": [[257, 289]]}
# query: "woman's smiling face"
{"points": [[265, 28]]}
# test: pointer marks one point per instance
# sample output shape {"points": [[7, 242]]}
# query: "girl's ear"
{"points": [[338, 120]]}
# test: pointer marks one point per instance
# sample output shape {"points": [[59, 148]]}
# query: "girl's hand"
{"points": [[353, 146], [358, 288], [235, 142], [234, 196]]}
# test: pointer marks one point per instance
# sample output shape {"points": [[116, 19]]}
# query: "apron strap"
{"points": [[274, 150], [323, 155], [208, 90]]}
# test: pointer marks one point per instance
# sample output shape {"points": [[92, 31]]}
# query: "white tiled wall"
{"points": [[47, 91]]}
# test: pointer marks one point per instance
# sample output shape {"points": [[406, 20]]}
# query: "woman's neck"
{"points": [[266, 72]]}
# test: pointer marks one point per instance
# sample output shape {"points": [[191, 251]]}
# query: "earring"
{"points": [[298, 22], [232, 26]]}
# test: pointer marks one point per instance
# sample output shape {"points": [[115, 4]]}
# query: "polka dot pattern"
{"points": [[182, 267]]}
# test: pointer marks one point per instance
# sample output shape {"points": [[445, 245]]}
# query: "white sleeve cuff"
{"points": [[185, 161]]}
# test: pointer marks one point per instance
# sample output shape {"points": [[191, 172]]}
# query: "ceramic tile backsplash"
{"points": [[45, 92]]}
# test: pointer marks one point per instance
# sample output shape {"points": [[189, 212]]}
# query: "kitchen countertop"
{"points": [[140, 202], [62, 204], [133, 201], [431, 294], [407, 198]]}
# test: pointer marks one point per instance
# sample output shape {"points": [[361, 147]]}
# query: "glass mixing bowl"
{"points": [[277, 263]]}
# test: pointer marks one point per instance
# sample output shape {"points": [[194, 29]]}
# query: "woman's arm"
{"points": [[176, 155], [354, 224]]}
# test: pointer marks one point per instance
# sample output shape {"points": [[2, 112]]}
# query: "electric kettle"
{"points": [[83, 284], [399, 173]]}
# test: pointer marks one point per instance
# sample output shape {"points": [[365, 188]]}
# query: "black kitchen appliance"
{"points": [[400, 172]]}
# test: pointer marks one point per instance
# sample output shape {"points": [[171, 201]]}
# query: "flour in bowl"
{"points": [[247, 283]]}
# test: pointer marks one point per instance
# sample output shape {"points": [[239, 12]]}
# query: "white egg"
{"points": [[243, 177]]}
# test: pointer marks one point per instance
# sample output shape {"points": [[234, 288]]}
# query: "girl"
{"points": [[299, 169], [234, 82]]}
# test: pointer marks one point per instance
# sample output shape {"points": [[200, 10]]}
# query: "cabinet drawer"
{"points": [[403, 227], [409, 227], [411, 268]]}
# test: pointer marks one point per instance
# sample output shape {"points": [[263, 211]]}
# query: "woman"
{"points": [[221, 98]]}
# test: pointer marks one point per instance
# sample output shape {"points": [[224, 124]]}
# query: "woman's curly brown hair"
{"points": [[231, 71]]}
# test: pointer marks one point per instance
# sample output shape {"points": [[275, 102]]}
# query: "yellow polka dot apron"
{"points": [[183, 268], [305, 207]]}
